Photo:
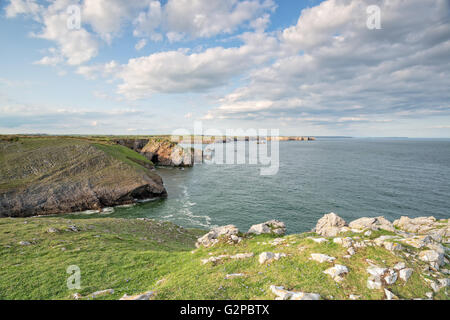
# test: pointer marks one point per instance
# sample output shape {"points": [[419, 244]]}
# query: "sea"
{"points": [[352, 177]]}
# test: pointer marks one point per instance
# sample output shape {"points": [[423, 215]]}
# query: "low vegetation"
{"points": [[134, 256]]}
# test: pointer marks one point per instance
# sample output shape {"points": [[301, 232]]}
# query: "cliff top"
{"points": [[145, 256]]}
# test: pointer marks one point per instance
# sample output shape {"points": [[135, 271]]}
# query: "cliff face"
{"points": [[160, 151], [50, 176]]}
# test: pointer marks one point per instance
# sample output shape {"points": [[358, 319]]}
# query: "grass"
{"points": [[131, 256], [124, 154], [28, 160]]}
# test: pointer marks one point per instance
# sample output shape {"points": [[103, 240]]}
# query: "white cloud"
{"points": [[200, 18], [74, 46], [178, 71], [17, 7], [331, 62], [141, 44], [107, 17]]}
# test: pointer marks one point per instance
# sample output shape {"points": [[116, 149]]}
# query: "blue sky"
{"points": [[148, 67]]}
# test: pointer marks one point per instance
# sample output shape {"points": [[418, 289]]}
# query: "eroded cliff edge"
{"points": [[162, 151], [42, 176]]}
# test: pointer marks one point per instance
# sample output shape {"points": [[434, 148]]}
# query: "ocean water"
{"points": [[351, 177]]}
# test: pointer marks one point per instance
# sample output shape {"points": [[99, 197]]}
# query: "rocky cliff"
{"points": [[162, 151], [41, 176]]}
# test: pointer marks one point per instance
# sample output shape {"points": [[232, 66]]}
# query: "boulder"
{"points": [[372, 224], [283, 294], [143, 296], [345, 242], [268, 227], [399, 266], [390, 295], [337, 272], [433, 257], [269, 256], [329, 225], [391, 277], [228, 234], [215, 260], [418, 241], [376, 271], [405, 274], [102, 293], [321, 258], [422, 225], [241, 256], [374, 283]]}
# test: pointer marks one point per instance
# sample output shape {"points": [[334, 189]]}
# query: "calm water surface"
{"points": [[351, 177]]}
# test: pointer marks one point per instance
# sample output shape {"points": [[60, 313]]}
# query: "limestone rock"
{"points": [[52, 230], [272, 226], [345, 242], [390, 295], [423, 225], [25, 243], [337, 272], [392, 246], [329, 225], [241, 256], [433, 257], [322, 257], [283, 294], [418, 241], [374, 283], [77, 296], [228, 233], [215, 260], [102, 293], [268, 256], [143, 296], [399, 266], [391, 277], [376, 271], [372, 224], [234, 275], [405, 274], [351, 251]]}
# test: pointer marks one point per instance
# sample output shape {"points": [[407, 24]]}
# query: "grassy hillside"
{"points": [[135, 256], [46, 175]]}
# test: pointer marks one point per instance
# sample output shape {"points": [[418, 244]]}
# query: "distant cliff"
{"points": [[162, 151], [41, 176], [228, 139]]}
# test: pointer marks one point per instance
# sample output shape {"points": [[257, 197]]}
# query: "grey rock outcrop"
{"points": [[329, 225], [372, 224], [229, 234], [269, 227]]}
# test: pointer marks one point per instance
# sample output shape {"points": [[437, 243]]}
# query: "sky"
{"points": [[134, 67]]}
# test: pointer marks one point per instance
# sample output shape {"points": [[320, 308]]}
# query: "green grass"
{"points": [[124, 154], [131, 256], [28, 160]]}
